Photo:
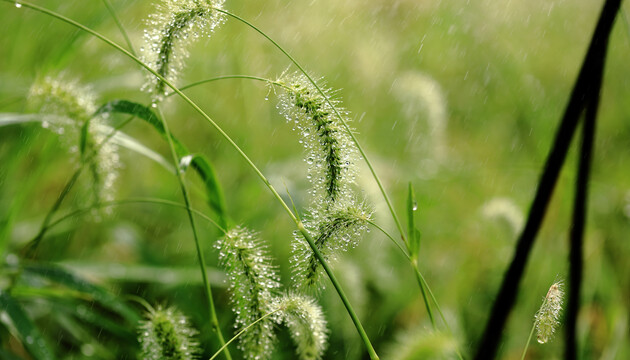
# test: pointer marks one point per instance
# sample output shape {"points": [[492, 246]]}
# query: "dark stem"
{"points": [[587, 77], [576, 260]]}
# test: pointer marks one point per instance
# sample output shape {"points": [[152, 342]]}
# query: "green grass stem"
{"points": [[31, 247], [336, 284], [345, 124], [214, 321], [241, 332], [112, 12]]}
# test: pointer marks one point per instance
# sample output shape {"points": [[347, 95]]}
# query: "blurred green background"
{"points": [[460, 98]]}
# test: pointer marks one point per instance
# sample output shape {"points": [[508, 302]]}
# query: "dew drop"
{"points": [[414, 207], [18, 5]]}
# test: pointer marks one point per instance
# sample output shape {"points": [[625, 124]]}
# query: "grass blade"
{"points": [[99, 294], [198, 162], [27, 332]]}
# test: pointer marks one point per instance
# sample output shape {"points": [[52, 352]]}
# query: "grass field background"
{"points": [[460, 98]]}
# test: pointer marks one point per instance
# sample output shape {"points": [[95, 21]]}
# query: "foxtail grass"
{"points": [[253, 283], [334, 232], [174, 26], [547, 319], [166, 334], [306, 323]]}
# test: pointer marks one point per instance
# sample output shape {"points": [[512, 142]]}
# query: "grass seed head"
{"points": [[167, 335], [334, 231], [174, 26], [330, 151], [253, 283], [67, 107], [547, 318], [306, 323]]}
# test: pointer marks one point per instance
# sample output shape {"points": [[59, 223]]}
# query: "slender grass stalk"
{"points": [[262, 318], [31, 247], [421, 281], [112, 12], [335, 110], [86, 210], [529, 340], [299, 224], [214, 321]]}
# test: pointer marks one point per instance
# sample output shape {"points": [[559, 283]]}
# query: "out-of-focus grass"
{"points": [[503, 71]]}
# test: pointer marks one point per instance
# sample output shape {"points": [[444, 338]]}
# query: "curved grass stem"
{"points": [[119, 48], [336, 111], [529, 340], [241, 332], [214, 321], [31, 247], [112, 12]]}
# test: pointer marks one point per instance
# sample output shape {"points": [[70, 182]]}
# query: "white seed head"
{"points": [[306, 323], [253, 283], [166, 334], [547, 317], [334, 231], [70, 106], [330, 151], [174, 26]]}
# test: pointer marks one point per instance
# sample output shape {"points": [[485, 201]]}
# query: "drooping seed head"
{"points": [[167, 335], [547, 317], [68, 107], [174, 26], [306, 323], [253, 282], [330, 152], [334, 231]]}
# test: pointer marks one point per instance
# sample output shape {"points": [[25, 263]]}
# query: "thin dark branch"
{"points": [[505, 299], [576, 260]]}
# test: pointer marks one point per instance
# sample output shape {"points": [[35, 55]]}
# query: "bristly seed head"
{"points": [[547, 317], [171, 29], [68, 107], [253, 282], [306, 323], [330, 152], [167, 335], [334, 231]]}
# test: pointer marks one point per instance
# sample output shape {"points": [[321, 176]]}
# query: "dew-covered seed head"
{"points": [[166, 334], [174, 26], [306, 323], [547, 317], [253, 284], [329, 150], [334, 231], [68, 107]]}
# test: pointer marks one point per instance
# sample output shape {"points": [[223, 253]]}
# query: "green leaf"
{"points": [[97, 293], [83, 139], [28, 334], [213, 190], [198, 162], [413, 241], [119, 138]]}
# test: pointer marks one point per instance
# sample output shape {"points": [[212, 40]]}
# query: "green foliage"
{"points": [[460, 101]]}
